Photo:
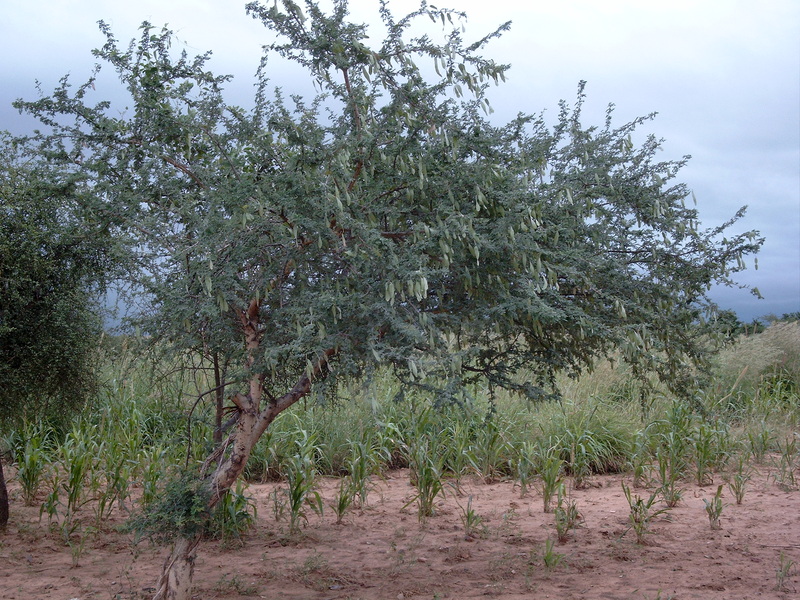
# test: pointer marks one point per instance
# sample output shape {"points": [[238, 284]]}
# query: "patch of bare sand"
{"points": [[383, 552]]}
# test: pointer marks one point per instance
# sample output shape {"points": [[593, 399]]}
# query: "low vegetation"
{"points": [[118, 456]]}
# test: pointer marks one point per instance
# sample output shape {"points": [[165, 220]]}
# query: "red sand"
{"points": [[383, 552]]}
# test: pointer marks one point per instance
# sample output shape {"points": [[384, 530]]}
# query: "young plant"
{"points": [[714, 509], [760, 441], [361, 464], [458, 436], [669, 489], [473, 522], [551, 558], [151, 462], [566, 515], [787, 465], [703, 450], [32, 464], [301, 480], [783, 572], [550, 468], [344, 498], [738, 479], [641, 462], [278, 503], [526, 466], [77, 461], [642, 513], [115, 476], [234, 514], [488, 454], [426, 473]]}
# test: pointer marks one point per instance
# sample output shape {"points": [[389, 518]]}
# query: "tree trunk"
{"points": [[175, 582], [3, 499], [219, 396]]}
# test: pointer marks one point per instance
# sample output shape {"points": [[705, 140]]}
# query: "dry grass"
{"points": [[751, 357]]}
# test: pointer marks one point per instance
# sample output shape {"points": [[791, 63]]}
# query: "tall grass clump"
{"points": [[426, 475], [759, 375], [490, 453], [590, 437]]}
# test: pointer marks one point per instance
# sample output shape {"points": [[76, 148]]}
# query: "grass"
{"points": [[135, 437], [784, 571], [550, 557], [642, 513], [738, 479], [473, 522], [714, 509], [567, 516]]}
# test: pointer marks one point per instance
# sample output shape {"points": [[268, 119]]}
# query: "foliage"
{"points": [[770, 360], [549, 468], [714, 509], [550, 557], [783, 572], [566, 515], [590, 436], [473, 522], [234, 515], [391, 222], [132, 429], [641, 513], [53, 261], [32, 460], [53, 258], [180, 511], [301, 474], [425, 460]]}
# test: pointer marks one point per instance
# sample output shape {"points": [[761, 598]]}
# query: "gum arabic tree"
{"points": [[385, 222]]}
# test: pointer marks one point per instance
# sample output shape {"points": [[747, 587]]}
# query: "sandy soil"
{"points": [[384, 552]]}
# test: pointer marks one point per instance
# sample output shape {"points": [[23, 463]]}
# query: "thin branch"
{"points": [[183, 168], [189, 418]]}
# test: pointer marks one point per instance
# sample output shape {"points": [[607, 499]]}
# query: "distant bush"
{"points": [[750, 358]]}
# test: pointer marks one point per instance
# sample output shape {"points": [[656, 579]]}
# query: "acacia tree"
{"points": [[385, 222], [52, 264]]}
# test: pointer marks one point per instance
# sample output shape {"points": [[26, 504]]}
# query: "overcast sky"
{"points": [[724, 76]]}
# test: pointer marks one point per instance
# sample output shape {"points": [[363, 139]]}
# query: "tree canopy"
{"points": [[51, 268], [388, 221], [51, 265]]}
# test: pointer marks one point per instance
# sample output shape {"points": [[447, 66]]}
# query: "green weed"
{"points": [[566, 515], [714, 509], [783, 572], [738, 479], [525, 466], [549, 468], [32, 461], [641, 513], [787, 464], [669, 480], [426, 474], [550, 557], [234, 514], [473, 522], [301, 476], [344, 498]]}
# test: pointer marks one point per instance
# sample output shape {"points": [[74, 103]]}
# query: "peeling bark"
{"points": [[175, 582]]}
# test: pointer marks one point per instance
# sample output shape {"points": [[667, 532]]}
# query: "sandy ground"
{"points": [[384, 552]]}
